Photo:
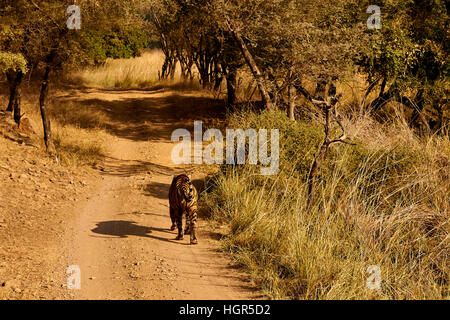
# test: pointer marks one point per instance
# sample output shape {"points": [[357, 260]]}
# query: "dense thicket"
{"points": [[288, 44]]}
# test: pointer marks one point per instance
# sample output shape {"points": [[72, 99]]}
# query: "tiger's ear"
{"points": [[190, 177]]}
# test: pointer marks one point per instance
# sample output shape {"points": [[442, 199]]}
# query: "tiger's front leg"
{"points": [[187, 228], [173, 219]]}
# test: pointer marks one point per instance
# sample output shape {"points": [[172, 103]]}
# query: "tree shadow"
{"points": [[127, 168], [124, 229], [161, 190], [147, 118], [157, 190], [138, 213]]}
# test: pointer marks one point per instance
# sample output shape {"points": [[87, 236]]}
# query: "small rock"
{"points": [[13, 285]]}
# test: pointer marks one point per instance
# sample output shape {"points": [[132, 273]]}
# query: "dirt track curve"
{"points": [[119, 236]]}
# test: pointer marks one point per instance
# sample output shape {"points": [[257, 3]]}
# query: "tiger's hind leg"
{"points": [[193, 226], [179, 221], [173, 218]]}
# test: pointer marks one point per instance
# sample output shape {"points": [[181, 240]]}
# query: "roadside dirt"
{"points": [[115, 221]]}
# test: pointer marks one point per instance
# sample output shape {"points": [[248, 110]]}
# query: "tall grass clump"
{"points": [[79, 147], [79, 133], [383, 204]]}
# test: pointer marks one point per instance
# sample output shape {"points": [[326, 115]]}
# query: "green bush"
{"points": [[101, 45], [299, 141], [12, 61]]}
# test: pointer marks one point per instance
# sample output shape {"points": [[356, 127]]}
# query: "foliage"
{"points": [[14, 62], [410, 55], [99, 45]]}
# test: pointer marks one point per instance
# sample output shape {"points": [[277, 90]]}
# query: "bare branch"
{"points": [[46, 15]]}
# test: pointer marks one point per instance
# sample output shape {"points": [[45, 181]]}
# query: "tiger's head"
{"points": [[187, 188]]}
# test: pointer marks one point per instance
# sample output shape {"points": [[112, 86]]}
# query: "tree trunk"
{"points": [[321, 155], [312, 176], [204, 76], [183, 70], [252, 65], [203, 66], [164, 68], [173, 67], [17, 98], [43, 107], [231, 89], [14, 80]]}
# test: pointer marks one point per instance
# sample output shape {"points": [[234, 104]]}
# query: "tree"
{"points": [[14, 66], [407, 60]]}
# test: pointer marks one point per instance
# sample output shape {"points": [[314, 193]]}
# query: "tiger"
{"points": [[183, 198]]}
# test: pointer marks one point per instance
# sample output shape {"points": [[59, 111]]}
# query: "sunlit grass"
{"points": [[139, 72], [386, 205]]}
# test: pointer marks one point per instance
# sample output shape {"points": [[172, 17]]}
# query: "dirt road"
{"points": [[120, 235]]}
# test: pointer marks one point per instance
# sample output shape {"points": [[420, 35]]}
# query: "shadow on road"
{"points": [[123, 229], [144, 118], [157, 190]]}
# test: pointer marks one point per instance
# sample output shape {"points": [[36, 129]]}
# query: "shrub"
{"points": [[100, 44], [377, 206]]}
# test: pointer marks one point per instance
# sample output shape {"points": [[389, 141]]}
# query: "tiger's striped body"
{"points": [[183, 200]]}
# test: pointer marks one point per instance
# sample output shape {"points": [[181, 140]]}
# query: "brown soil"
{"points": [[111, 221]]}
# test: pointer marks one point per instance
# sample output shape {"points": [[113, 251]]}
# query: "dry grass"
{"points": [[384, 202], [78, 133], [139, 72], [125, 73]]}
